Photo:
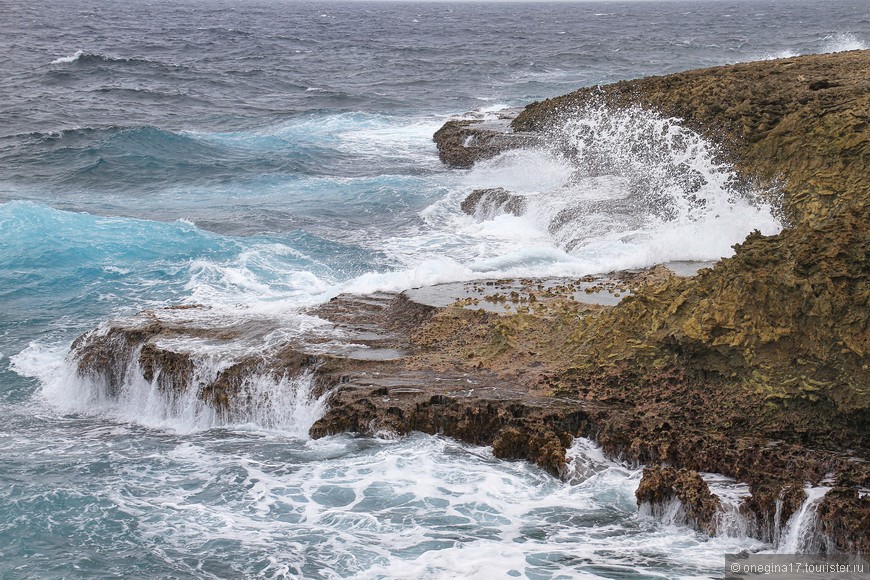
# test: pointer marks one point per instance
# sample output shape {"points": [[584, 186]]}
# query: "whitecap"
{"points": [[68, 59]]}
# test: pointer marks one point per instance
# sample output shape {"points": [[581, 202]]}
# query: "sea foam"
{"points": [[608, 190]]}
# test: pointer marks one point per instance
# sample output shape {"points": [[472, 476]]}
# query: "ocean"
{"points": [[260, 157]]}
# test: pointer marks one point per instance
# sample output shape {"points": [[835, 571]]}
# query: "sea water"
{"points": [[263, 156]]}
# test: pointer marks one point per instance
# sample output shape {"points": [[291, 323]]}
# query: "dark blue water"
{"points": [[262, 156]]}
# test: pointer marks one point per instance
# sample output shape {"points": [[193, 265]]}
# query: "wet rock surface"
{"points": [[462, 142], [377, 355], [429, 360], [662, 485], [489, 203], [757, 367]]}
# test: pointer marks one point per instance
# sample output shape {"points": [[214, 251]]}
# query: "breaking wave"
{"points": [[82, 57], [843, 41], [620, 189]]}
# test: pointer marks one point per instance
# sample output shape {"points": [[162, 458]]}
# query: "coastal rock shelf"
{"points": [[755, 368], [768, 350], [429, 360]]}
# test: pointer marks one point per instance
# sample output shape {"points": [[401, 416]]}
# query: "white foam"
{"points": [[529, 171], [387, 136], [359, 134], [670, 199], [586, 460], [786, 53], [672, 513], [344, 506], [624, 175], [616, 225], [494, 108], [613, 190], [68, 59], [256, 280], [838, 42]]}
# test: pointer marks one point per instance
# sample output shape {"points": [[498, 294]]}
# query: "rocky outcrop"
{"points": [[488, 203], [755, 367], [661, 486], [192, 349], [845, 515], [471, 407], [376, 355], [462, 142], [784, 321], [395, 364]]}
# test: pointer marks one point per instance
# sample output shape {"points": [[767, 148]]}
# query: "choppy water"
{"points": [[261, 156]]}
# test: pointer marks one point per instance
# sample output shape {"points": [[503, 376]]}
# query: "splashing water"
{"points": [[731, 493], [629, 189], [843, 41], [263, 401], [272, 159], [801, 534]]}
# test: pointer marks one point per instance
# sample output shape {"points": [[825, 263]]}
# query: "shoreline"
{"points": [[755, 368]]}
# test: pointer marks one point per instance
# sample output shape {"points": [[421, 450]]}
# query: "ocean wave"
{"points": [[839, 42], [264, 402], [632, 191], [787, 53], [80, 267], [383, 138], [65, 259], [171, 97], [142, 158], [82, 57], [224, 30]]}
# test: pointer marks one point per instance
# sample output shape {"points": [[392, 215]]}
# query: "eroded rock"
{"points": [[756, 368], [660, 486], [462, 142], [489, 203]]}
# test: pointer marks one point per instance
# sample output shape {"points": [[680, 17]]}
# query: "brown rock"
{"points": [[488, 203]]}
